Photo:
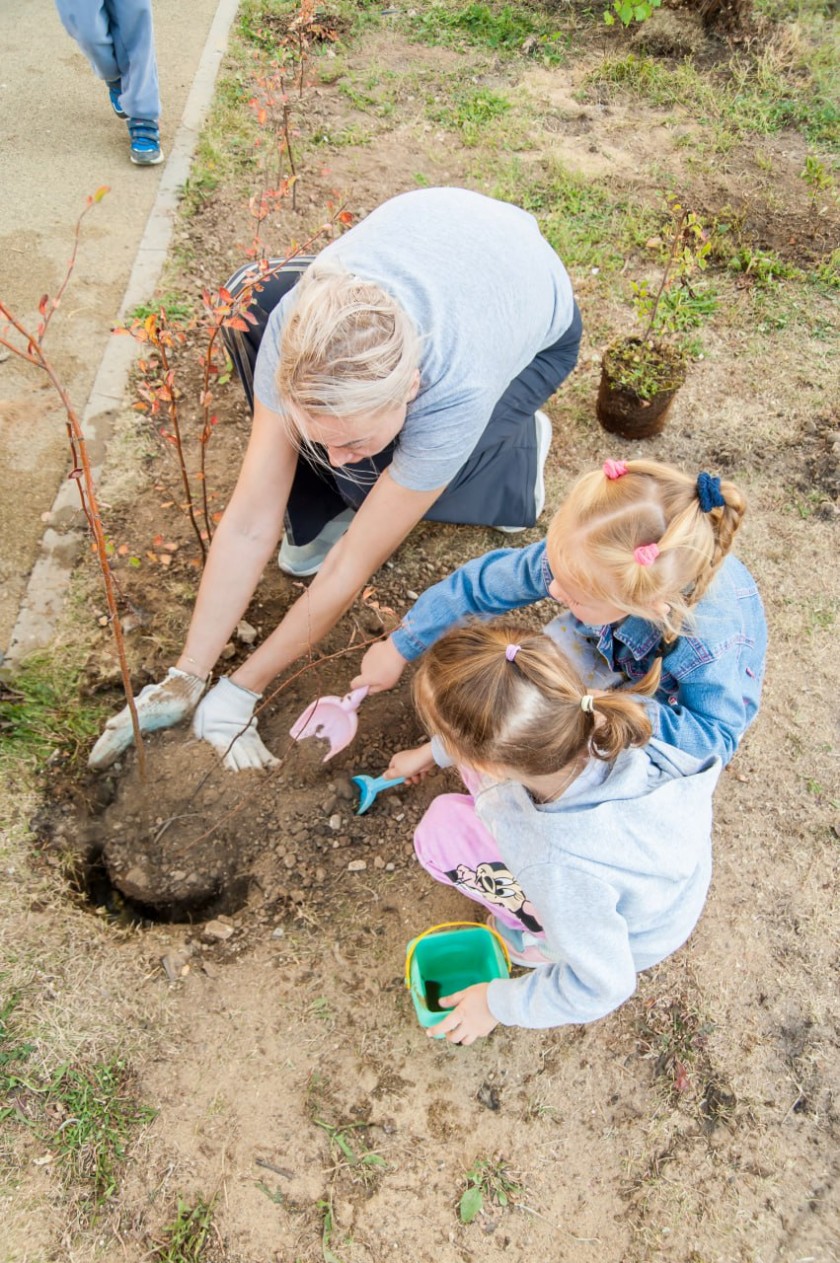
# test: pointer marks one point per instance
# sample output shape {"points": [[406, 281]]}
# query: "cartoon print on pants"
{"points": [[496, 885]]}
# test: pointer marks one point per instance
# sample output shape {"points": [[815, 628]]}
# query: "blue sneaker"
{"points": [[114, 93], [145, 142]]}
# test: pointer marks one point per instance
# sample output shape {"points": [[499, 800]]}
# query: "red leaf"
{"points": [[681, 1079], [42, 306]]}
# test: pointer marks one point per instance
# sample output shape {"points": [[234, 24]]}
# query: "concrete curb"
{"points": [[63, 540]]}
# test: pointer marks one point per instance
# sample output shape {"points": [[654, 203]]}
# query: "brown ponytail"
{"points": [[498, 695]]}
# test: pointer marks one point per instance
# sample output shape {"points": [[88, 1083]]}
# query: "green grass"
{"points": [[42, 710], [755, 98], [96, 1113], [828, 272], [468, 112], [176, 310], [227, 146], [185, 1238], [85, 1114], [502, 28], [584, 220], [15, 1051]]}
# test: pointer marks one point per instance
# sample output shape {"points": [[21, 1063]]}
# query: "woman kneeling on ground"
{"points": [[398, 377]]}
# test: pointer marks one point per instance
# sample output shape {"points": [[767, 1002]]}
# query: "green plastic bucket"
{"points": [[449, 957]]}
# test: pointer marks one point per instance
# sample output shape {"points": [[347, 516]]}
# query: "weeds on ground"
{"points": [[175, 308], [85, 1115], [508, 28], [14, 1053], [586, 223], [43, 711], [673, 1034], [186, 1236], [365, 1161], [327, 1230], [753, 98], [488, 1181], [762, 266], [468, 112], [98, 1113]]}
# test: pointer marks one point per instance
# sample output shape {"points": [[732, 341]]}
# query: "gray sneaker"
{"points": [[544, 433], [303, 560]]}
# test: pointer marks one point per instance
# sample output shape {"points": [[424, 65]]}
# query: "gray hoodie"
{"points": [[618, 868]]}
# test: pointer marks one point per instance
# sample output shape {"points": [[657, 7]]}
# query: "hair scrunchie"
{"points": [[646, 554], [511, 651], [614, 469], [708, 493]]}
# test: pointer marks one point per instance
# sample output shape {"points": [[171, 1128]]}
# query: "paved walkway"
{"points": [[59, 142]]}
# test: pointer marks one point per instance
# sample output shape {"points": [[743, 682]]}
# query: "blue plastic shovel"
{"points": [[370, 786]]}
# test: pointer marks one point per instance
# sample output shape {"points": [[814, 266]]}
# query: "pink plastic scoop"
{"points": [[333, 719]]}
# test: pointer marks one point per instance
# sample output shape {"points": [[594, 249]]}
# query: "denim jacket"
{"points": [[711, 674]]}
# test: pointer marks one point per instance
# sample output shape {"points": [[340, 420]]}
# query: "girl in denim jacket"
{"points": [[639, 554]]}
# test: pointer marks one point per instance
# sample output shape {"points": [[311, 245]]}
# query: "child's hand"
{"points": [[470, 1018], [412, 764], [381, 667]]}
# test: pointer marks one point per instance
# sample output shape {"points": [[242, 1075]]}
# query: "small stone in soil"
{"points": [[175, 963], [216, 932], [357, 866]]}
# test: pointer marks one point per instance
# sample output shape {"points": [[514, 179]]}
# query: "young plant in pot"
{"points": [[641, 375]]}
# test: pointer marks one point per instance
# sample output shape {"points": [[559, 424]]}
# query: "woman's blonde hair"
{"points": [[347, 347], [639, 535], [498, 695]]}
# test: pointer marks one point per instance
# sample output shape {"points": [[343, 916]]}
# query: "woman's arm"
{"points": [[245, 539], [379, 527]]}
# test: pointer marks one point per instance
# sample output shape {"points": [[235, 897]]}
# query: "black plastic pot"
{"points": [[620, 409]]}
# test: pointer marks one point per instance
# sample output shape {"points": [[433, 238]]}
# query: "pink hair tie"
{"points": [[646, 554], [512, 651], [614, 469]]}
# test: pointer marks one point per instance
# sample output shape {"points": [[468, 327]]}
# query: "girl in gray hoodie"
{"points": [[588, 841]]}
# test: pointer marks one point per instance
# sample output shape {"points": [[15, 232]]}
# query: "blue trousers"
{"points": [[117, 37], [495, 487]]}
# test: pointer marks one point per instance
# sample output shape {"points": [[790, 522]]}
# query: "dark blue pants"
{"points": [[495, 487]]}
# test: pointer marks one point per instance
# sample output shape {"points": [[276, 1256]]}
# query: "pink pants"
{"points": [[453, 845]]}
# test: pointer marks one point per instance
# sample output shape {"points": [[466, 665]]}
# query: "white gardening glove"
{"points": [[158, 706], [227, 712]]}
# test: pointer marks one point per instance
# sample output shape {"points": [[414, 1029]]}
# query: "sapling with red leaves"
{"points": [[29, 346]]}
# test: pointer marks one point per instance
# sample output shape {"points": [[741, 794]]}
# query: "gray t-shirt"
{"points": [[484, 289]]}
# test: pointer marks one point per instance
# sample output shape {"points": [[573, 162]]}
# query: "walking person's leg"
{"points": [[132, 31], [89, 26]]}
